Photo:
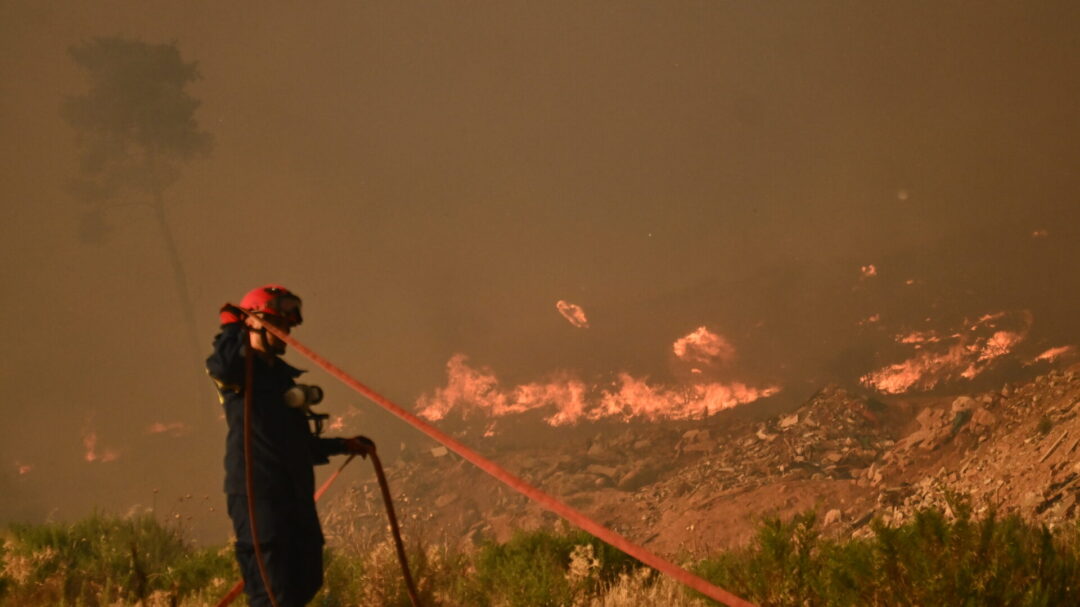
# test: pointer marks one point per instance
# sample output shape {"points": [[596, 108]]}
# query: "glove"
{"points": [[231, 314], [359, 445]]}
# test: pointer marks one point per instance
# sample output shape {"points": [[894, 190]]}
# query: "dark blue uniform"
{"points": [[284, 451]]}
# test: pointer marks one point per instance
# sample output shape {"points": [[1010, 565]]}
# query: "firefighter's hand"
{"points": [[231, 314], [359, 445]]}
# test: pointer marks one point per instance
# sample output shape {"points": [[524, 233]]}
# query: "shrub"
{"points": [[102, 560], [931, 560], [533, 569]]}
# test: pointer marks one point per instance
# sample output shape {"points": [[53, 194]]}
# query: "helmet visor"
{"points": [[286, 306]]}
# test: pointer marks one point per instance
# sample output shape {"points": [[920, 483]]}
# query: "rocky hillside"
{"points": [[702, 485]]}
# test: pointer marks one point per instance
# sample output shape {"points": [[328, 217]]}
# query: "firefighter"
{"points": [[284, 449]]}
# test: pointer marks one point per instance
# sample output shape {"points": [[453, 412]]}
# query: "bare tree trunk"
{"points": [[183, 297]]}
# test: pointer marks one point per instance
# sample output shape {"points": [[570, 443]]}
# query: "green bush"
{"points": [[102, 560], [934, 559], [374, 577], [533, 569], [931, 560]]}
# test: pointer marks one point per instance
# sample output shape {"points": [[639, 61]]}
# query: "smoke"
{"points": [[807, 182]]}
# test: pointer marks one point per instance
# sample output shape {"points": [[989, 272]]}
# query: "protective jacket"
{"points": [[283, 447]]}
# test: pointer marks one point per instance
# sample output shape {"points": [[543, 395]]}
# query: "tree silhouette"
{"points": [[136, 126]]}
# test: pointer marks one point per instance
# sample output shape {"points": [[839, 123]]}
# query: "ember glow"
{"points": [[171, 428], [470, 391], [90, 442], [572, 313], [337, 424], [703, 346], [869, 270], [947, 357], [23, 469], [1040, 233]]}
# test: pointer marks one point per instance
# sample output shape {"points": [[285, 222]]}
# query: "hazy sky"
{"points": [[433, 177]]}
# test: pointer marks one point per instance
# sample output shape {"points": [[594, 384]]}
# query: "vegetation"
{"points": [[936, 559], [104, 560], [932, 560]]}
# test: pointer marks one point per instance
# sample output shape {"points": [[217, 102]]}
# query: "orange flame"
{"points": [[703, 346], [869, 270], [635, 398], [573, 313], [90, 441], [173, 428], [870, 320], [470, 390], [1053, 354], [964, 354], [1041, 233], [23, 469]]}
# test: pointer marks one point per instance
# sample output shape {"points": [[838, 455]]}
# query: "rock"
{"points": [[765, 436], [789, 421], [931, 418], [702, 447], [608, 471], [440, 451], [569, 484], [445, 500], [638, 476], [598, 450], [963, 403], [981, 420], [832, 457], [832, 516]]}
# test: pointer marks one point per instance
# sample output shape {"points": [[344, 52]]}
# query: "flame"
{"points": [[1040, 233], [573, 313], [918, 337], [469, 388], [173, 428], [636, 398], [337, 424], [1053, 354], [869, 270], [23, 469], [477, 391], [90, 441], [870, 320], [703, 346], [962, 354]]}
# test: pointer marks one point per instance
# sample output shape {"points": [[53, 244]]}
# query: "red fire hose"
{"points": [[249, 477]]}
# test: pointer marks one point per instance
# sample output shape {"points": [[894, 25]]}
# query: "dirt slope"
{"points": [[703, 485]]}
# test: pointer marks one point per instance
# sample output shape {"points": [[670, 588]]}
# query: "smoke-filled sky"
{"points": [[434, 178]]}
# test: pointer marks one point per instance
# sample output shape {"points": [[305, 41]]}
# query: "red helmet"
{"points": [[275, 300]]}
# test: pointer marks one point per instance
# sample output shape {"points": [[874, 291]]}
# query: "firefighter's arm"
{"points": [[357, 445], [226, 364]]}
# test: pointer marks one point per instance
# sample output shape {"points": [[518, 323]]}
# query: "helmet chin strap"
{"points": [[267, 348]]}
